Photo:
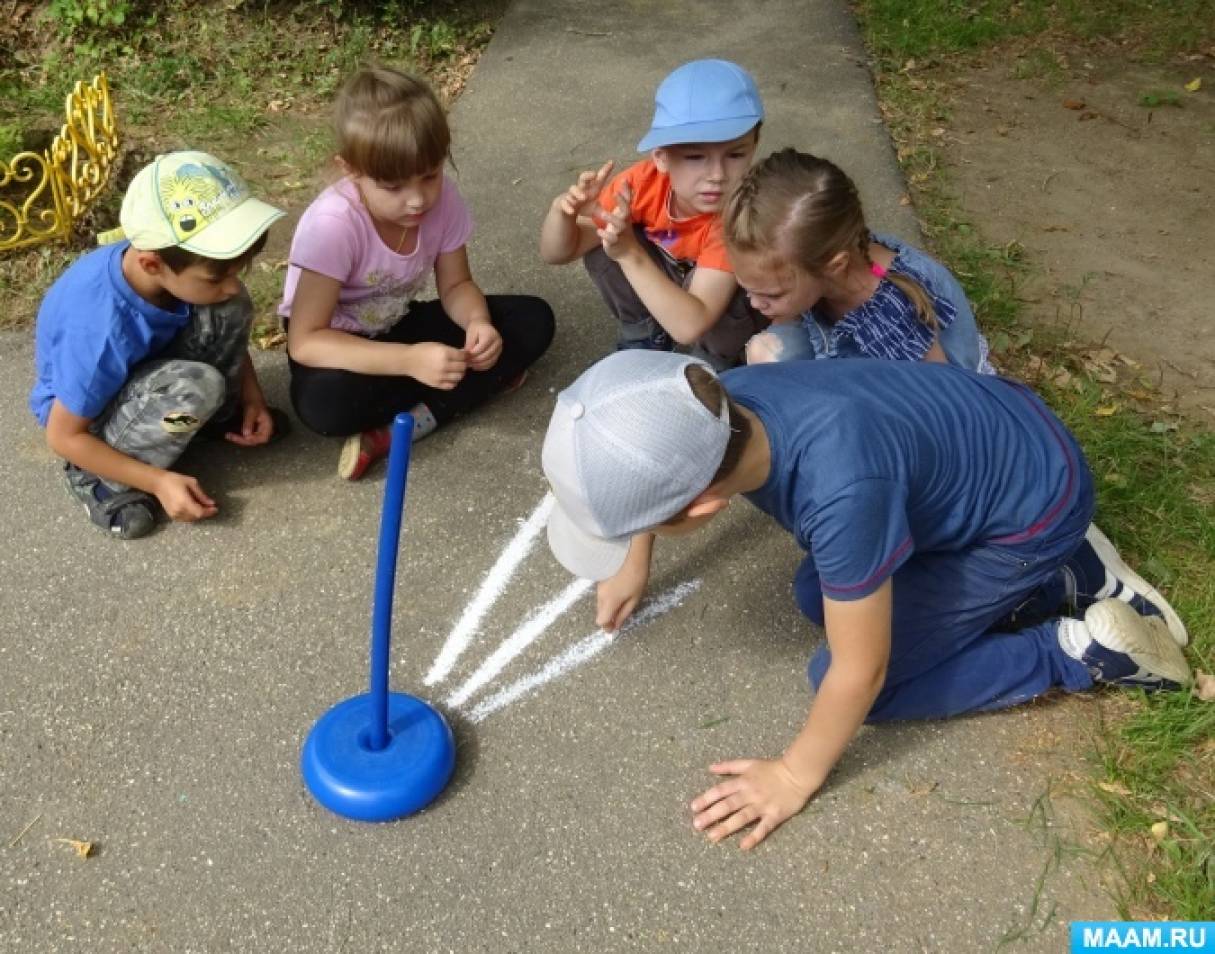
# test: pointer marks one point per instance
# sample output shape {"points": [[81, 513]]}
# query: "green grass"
{"points": [[1155, 471], [1154, 98], [252, 82], [923, 30]]}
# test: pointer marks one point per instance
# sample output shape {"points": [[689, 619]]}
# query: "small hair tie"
{"points": [[878, 271]]}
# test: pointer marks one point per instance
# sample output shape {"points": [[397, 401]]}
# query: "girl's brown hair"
{"points": [[390, 125], [805, 209]]}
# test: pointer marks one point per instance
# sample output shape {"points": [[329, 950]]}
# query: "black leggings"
{"points": [[337, 403]]}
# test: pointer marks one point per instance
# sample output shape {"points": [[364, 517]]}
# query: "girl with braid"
{"points": [[800, 247]]}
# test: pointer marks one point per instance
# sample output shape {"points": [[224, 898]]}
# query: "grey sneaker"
{"points": [[127, 514], [1120, 647]]}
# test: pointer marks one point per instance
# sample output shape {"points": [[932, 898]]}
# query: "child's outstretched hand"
{"points": [[482, 345], [616, 232], [579, 198], [436, 365], [763, 791]]}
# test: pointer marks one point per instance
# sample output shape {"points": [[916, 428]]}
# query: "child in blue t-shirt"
{"points": [[800, 247], [932, 502], [141, 344]]}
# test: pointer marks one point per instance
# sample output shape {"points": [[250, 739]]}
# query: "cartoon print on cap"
{"points": [[195, 195]]}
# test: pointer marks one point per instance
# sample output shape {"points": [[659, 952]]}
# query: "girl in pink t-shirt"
{"points": [[360, 348]]}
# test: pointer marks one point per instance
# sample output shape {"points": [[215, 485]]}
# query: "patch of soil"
{"points": [[1110, 198]]}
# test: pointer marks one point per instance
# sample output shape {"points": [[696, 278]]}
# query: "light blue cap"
{"points": [[703, 101]]}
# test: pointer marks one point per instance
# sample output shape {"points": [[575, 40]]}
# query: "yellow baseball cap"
{"points": [[196, 202]]}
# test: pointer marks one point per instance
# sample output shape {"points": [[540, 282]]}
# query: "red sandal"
{"points": [[362, 450]]}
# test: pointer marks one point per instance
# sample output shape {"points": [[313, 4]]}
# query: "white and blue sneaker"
{"points": [[1120, 647], [1096, 572]]}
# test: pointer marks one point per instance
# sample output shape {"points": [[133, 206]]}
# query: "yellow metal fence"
{"points": [[43, 194]]}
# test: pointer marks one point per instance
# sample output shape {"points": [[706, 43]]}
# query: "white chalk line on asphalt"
{"points": [[582, 651], [527, 633], [491, 588]]}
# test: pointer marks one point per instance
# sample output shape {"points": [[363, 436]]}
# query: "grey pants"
{"points": [[721, 346], [170, 396]]}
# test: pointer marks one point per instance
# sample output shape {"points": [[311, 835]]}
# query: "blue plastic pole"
{"points": [[385, 576]]}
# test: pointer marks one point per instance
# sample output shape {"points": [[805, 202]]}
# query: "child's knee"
{"points": [[527, 325], [763, 348], [783, 341], [598, 263], [193, 388], [540, 325], [205, 385]]}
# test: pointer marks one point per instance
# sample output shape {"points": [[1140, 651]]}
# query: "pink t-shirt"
{"points": [[336, 237]]}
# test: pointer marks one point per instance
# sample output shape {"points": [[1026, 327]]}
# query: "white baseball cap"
{"points": [[628, 447], [196, 202]]}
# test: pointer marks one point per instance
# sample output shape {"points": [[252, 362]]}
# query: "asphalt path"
{"points": [[154, 695]]}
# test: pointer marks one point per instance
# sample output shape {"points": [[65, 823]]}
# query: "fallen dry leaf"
{"points": [[922, 788], [1073, 104], [1114, 788], [1106, 410], [1194, 85], [1204, 686], [271, 341], [83, 849]]}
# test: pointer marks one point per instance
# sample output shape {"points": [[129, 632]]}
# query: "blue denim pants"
{"points": [[955, 644]]}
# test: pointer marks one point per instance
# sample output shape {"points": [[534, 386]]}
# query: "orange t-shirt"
{"points": [[697, 241]]}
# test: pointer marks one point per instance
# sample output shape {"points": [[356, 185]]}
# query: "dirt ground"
{"points": [[1103, 173]]}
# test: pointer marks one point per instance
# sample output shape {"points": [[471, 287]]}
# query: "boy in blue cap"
{"points": [[651, 237], [143, 343], [943, 514]]}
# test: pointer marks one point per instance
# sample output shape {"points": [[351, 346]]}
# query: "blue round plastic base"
{"points": [[350, 778]]}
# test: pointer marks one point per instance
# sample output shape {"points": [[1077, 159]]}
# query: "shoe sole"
{"points": [[1109, 556], [348, 460], [1145, 639]]}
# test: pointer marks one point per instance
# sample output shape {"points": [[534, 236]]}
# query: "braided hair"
{"points": [[799, 208]]}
